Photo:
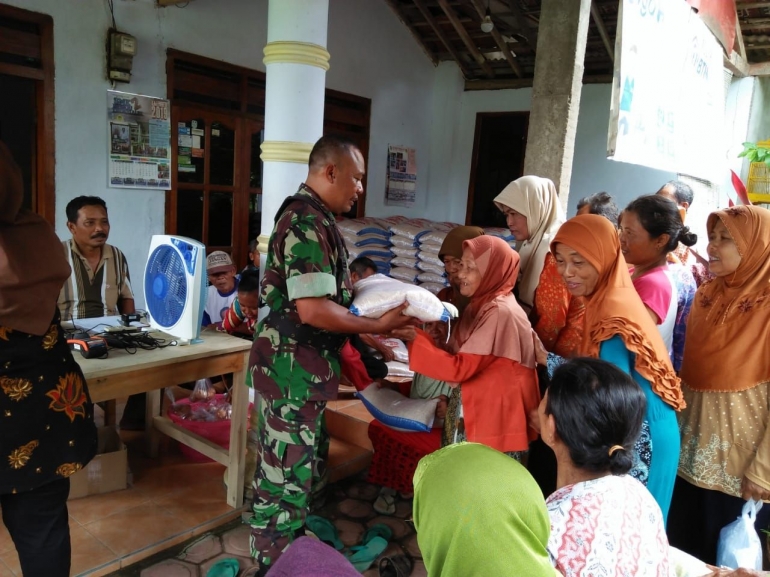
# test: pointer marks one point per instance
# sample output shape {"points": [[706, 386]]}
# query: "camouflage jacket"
{"points": [[306, 258]]}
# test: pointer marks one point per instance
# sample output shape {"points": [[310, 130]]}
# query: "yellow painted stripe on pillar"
{"points": [[286, 151], [297, 53]]}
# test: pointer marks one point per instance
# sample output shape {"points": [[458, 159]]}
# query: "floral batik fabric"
{"points": [[47, 429], [607, 526]]}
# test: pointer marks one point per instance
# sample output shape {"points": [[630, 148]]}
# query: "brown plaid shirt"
{"points": [[88, 293]]}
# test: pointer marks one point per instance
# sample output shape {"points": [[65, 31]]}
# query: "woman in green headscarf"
{"points": [[479, 512]]}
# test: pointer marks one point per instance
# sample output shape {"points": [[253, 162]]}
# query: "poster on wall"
{"points": [[401, 182], [139, 129], [667, 107]]}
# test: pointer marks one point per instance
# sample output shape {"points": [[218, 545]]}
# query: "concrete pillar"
{"points": [[296, 61], [561, 48]]}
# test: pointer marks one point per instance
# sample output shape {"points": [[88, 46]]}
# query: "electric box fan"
{"points": [[175, 285]]}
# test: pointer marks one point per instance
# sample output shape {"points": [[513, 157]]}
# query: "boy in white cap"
{"points": [[222, 290]]}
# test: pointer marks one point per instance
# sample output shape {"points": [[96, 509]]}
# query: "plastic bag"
{"points": [[739, 545], [203, 391]]}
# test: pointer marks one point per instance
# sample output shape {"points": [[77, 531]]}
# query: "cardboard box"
{"points": [[108, 471]]}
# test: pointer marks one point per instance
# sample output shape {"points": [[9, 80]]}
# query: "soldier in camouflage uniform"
{"points": [[295, 362]]}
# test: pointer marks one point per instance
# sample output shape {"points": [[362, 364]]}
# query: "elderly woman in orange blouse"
{"points": [[533, 213]]}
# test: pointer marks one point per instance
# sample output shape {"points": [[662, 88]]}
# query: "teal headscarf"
{"points": [[479, 512]]}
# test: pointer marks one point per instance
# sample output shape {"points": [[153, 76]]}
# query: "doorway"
{"points": [[498, 158], [27, 102]]}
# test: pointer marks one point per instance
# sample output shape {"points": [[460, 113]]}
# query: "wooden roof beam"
{"points": [[408, 23], [477, 56], [597, 16], [441, 36], [522, 22], [164, 3], [499, 40]]}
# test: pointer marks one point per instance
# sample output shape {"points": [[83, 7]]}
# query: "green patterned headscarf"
{"points": [[479, 512]]}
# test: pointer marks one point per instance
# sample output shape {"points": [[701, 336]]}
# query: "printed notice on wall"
{"points": [[139, 141], [401, 183]]}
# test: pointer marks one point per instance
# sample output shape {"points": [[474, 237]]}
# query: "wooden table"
{"points": [[122, 374]]}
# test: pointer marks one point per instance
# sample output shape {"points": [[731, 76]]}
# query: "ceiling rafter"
{"points": [[477, 55]]}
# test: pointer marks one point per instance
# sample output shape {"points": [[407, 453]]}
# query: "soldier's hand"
{"points": [[406, 334], [394, 319]]}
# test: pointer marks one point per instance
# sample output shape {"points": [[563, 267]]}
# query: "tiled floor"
{"points": [[172, 501]]}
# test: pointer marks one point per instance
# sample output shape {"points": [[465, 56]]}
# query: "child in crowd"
{"points": [[241, 317], [223, 284], [253, 258]]}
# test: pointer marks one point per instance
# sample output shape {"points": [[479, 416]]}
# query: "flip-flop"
{"points": [[396, 566], [377, 530], [224, 568], [324, 530], [385, 504], [362, 556]]}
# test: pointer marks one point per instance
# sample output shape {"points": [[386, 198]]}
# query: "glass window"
{"points": [[222, 154], [220, 219], [189, 214]]}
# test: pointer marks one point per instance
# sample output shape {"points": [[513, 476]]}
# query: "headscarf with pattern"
{"points": [[726, 341], [535, 198], [479, 512], [614, 307]]}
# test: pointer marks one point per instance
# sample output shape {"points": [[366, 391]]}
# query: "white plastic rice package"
{"points": [[407, 251], [404, 261], [430, 267], [433, 277], [433, 287], [430, 257], [400, 352], [404, 274], [378, 294], [433, 237], [410, 230], [396, 369], [403, 241]]}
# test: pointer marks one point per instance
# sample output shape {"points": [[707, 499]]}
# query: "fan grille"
{"points": [[165, 286]]}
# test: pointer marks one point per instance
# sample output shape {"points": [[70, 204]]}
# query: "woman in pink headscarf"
{"points": [[492, 363]]}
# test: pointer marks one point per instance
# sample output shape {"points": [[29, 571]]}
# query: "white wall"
{"points": [[453, 132], [372, 55]]}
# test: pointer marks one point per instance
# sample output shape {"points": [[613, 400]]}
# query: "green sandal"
{"points": [[362, 556], [224, 568], [377, 530], [324, 530]]}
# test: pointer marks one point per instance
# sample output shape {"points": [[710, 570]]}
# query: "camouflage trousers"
{"points": [[293, 447]]}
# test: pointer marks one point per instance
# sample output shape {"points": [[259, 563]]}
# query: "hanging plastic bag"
{"points": [[739, 545]]}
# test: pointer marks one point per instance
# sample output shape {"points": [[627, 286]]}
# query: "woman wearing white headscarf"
{"points": [[533, 214]]}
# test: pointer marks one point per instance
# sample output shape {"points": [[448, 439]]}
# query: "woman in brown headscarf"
{"points": [[451, 253], [618, 329], [47, 431], [726, 383]]}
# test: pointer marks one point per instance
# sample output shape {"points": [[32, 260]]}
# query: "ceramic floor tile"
{"points": [[10, 560], [196, 504], [103, 571], [166, 481], [6, 543], [135, 529], [154, 549], [88, 552], [236, 541], [171, 568], [4, 570], [95, 507]]}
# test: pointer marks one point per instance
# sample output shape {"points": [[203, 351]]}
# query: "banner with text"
{"points": [[668, 90]]}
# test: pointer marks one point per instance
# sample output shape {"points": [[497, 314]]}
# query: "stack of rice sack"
{"points": [[368, 237], [432, 274], [503, 233], [415, 244]]}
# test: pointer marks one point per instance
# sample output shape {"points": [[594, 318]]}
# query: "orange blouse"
{"points": [[497, 393], [557, 316]]}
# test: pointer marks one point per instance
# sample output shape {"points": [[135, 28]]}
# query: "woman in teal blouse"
{"points": [[618, 329]]}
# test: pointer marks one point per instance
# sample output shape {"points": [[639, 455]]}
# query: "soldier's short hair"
{"points": [[361, 265], [328, 149]]}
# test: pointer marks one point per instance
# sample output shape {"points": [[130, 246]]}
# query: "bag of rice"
{"points": [[396, 369], [403, 241], [410, 230], [430, 267], [430, 247], [433, 287], [400, 352], [431, 258], [402, 273], [433, 237], [378, 294], [404, 261], [432, 277]]}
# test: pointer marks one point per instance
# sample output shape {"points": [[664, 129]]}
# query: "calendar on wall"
{"points": [[139, 141]]}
